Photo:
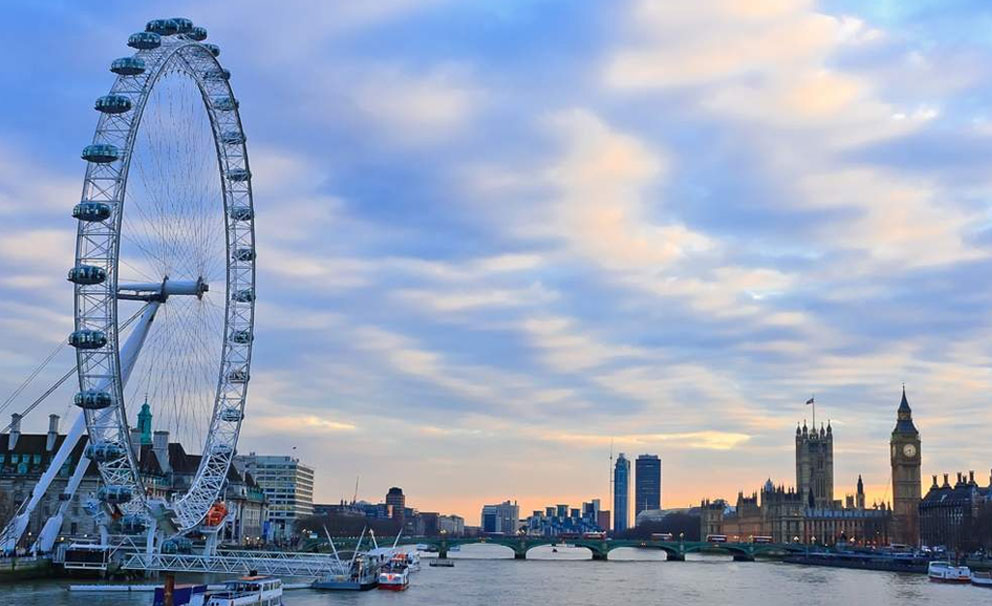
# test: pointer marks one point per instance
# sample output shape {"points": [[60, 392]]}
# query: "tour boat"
{"points": [[360, 576], [412, 560], [982, 579], [395, 575], [945, 572], [249, 591]]}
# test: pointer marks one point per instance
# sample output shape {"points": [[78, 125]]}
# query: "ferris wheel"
{"points": [[164, 274]]}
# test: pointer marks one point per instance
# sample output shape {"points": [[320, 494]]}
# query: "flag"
{"points": [[809, 401]]}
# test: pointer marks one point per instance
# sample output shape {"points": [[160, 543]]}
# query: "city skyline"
{"points": [[502, 250]]}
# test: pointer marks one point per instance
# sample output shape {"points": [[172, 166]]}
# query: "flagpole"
{"points": [[814, 411]]}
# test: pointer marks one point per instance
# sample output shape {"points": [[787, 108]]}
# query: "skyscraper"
{"points": [[906, 482], [397, 501], [621, 493], [648, 483]]}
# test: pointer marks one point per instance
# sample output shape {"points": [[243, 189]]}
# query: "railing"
{"points": [[236, 562]]}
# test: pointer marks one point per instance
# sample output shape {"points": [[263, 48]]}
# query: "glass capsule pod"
{"points": [[112, 104], [162, 27], [197, 33], [217, 74], [241, 337], [128, 66], [242, 213], [213, 48], [114, 494], [101, 452], [177, 545], [246, 295], [133, 523], [238, 174], [92, 399], [144, 40], [101, 153], [232, 138], [221, 450], [87, 339], [224, 104], [231, 415], [183, 25], [238, 376], [91, 211], [87, 274]]}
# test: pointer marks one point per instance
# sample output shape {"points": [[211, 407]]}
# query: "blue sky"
{"points": [[495, 236]]}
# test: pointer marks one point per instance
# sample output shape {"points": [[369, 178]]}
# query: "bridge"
{"points": [[600, 548]]}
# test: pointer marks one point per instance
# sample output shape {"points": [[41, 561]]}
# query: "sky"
{"points": [[496, 238]]}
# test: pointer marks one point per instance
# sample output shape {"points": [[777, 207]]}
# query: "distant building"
{"points": [[603, 519], [621, 493], [501, 519], [288, 487], [950, 515], [396, 500], [647, 480], [563, 520]]}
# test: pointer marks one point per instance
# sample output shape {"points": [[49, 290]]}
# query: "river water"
{"points": [[632, 577]]}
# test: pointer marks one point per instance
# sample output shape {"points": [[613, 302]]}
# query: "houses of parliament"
{"points": [[808, 513]]}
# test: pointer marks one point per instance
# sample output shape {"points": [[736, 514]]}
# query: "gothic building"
{"points": [[904, 457], [807, 513], [815, 465], [957, 516]]}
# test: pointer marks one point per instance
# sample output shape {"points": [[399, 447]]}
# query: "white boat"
{"points": [[982, 579], [412, 560], [395, 576], [249, 591], [942, 571]]}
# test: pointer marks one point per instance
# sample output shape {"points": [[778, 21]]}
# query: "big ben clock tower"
{"points": [[906, 487]]}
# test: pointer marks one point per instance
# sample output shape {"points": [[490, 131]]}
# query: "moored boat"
{"points": [[982, 578], [360, 576], [942, 571], [248, 591], [395, 575]]}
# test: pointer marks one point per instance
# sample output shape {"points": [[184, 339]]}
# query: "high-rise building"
{"points": [[906, 481], [815, 465], [647, 478], [503, 518], [288, 486], [621, 493], [396, 501]]}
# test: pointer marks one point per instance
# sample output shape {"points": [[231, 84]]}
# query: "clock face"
{"points": [[909, 450]]}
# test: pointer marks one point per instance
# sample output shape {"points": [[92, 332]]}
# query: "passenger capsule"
{"points": [[242, 213], [87, 274], [144, 40], [243, 296], [101, 452], [162, 27], [197, 33], [91, 211], [213, 48], [241, 337], [231, 415], [217, 74], [238, 174], [177, 545], [225, 104], [128, 66], [238, 376], [92, 399], [101, 153], [133, 523], [221, 450], [112, 104], [232, 137], [114, 494], [183, 25], [88, 339]]}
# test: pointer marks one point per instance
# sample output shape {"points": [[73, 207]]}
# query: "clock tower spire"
{"points": [[906, 483]]}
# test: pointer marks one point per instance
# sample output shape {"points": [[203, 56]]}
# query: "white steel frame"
{"points": [[98, 244]]}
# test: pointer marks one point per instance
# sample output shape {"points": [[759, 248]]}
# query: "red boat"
{"points": [[395, 575]]}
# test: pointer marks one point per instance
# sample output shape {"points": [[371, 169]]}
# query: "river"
{"points": [[632, 577]]}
